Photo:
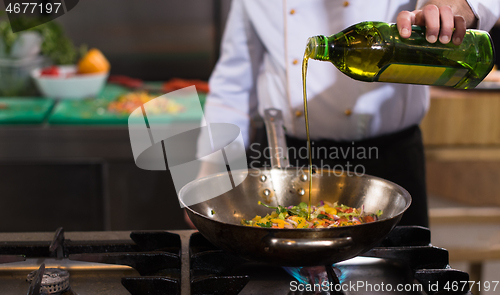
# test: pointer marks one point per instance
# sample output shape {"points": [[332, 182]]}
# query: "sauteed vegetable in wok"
{"points": [[322, 216]]}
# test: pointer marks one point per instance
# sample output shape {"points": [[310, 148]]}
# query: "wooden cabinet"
{"points": [[462, 117], [461, 133]]}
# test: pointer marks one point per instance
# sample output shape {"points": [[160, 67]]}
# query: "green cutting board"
{"points": [[24, 110], [95, 111]]}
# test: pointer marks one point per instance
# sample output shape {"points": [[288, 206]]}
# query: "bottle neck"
{"points": [[317, 48]]}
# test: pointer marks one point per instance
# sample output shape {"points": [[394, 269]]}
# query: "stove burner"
{"points": [[54, 280], [406, 254]]}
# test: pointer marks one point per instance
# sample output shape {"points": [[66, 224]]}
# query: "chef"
{"points": [[260, 68]]}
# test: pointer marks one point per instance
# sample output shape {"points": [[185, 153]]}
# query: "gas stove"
{"points": [[184, 262]]}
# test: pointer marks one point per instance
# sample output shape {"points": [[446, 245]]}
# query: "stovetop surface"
{"points": [[195, 274]]}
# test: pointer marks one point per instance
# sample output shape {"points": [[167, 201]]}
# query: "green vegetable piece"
{"points": [[323, 216], [302, 205], [267, 224], [379, 212], [294, 211], [267, 206], [302, 214]]}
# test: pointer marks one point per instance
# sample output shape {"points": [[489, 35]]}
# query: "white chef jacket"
{"points": [[260, 68]]}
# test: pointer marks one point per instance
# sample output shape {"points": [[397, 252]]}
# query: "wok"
{"points": [[219, 219]]}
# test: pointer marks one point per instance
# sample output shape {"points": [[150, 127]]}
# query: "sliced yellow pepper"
{"points": [[301, 222], [330, 210], [281, 223]]}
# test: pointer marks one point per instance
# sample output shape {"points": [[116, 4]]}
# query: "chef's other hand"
{"points": [[443, 19]]}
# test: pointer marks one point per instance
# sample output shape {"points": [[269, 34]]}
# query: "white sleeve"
{"points": [[232, 96], [487, 12]]}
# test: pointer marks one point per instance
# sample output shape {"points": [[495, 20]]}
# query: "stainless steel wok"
{"points": [[219, 219]]}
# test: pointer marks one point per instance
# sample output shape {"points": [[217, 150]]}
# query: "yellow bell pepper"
{"points": [[281, 223], [263, 220], [301, 222], [330, 210]]}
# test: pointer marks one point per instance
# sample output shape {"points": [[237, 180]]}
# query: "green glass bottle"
{"points": [[374, 52]]}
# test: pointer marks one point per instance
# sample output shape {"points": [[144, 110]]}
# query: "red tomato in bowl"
{"points": [[50, 71]]}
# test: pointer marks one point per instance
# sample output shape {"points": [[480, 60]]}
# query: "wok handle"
{"points": [[273, 118], [278, 244]]}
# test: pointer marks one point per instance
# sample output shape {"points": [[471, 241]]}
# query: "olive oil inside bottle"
{"points": [[304, 93], [374, 52]]}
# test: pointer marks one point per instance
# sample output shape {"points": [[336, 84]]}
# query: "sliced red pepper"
{"points": [[369, 219], [125, 81]]}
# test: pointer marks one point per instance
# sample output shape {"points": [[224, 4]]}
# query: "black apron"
{"points": [[397, 157]]}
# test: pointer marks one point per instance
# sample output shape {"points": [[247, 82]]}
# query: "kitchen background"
{"points": [[83, 177], [80, 173]]}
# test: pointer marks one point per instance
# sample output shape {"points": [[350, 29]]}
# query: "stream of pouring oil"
{"points": [[304, 92]]}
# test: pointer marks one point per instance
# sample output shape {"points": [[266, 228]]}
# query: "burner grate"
{"points": [[406, 254], [158, 261], [11, 258], [156, 256], [151, 285], [212, 269]]}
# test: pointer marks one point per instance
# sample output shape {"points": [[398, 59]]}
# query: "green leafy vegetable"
{"points": [[55, 45], [323, 216], [267, 224], [297, 211], [280, 209]]}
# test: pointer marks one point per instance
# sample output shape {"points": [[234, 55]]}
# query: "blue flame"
{"points": [[340, 270]]}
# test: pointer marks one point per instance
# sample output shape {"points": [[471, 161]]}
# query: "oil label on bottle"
{"points": [[419, 74]]}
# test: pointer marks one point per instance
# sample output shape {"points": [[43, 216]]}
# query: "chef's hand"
{"points": [[443, 19]]}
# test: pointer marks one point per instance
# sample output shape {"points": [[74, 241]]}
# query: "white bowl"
{"points": [[68, 84]]}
